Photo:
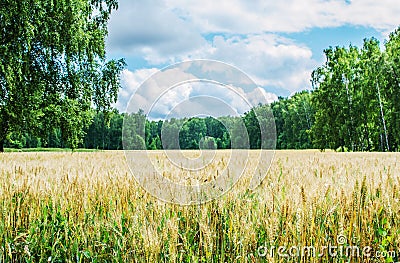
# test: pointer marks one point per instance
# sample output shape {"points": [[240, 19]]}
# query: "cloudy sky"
{"points": [[276, 43]]}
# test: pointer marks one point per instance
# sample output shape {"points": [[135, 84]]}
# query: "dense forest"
{"points": [[293, 117], [354, 105]]}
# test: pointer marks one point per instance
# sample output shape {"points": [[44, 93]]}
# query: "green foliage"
{"points": [[133, 131], [100, 136], [191, 133], [356, 96], [294, 118], [53, 68], [392, 90], [208, 143]]}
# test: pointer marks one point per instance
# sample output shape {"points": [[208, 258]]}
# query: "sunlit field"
{"points": [[88, 207]]}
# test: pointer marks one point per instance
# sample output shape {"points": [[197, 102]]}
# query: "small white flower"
{"points": [[26, 250]]}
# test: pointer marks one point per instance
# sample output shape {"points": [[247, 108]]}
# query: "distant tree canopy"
{"points": [[53, 68], [294, 118]]}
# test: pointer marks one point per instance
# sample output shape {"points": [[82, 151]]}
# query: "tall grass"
{"points": [[87, 207]]}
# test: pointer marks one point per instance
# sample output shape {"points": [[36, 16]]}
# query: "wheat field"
{"points": [[88, 207]]}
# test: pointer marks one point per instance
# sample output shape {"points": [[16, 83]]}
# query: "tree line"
{"points": [[106, 132], [293, 119], [57, 88]]}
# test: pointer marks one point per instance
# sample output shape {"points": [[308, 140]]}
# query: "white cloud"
{"points": [[130, 81], [155, 94], [246, 17], [162, 31], [178, 93], [242, 33], [150, 29], [259, 95], [271, 61]]}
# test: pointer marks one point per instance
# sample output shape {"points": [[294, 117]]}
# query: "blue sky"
{"points": [[318, 39], [276, 43]]}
